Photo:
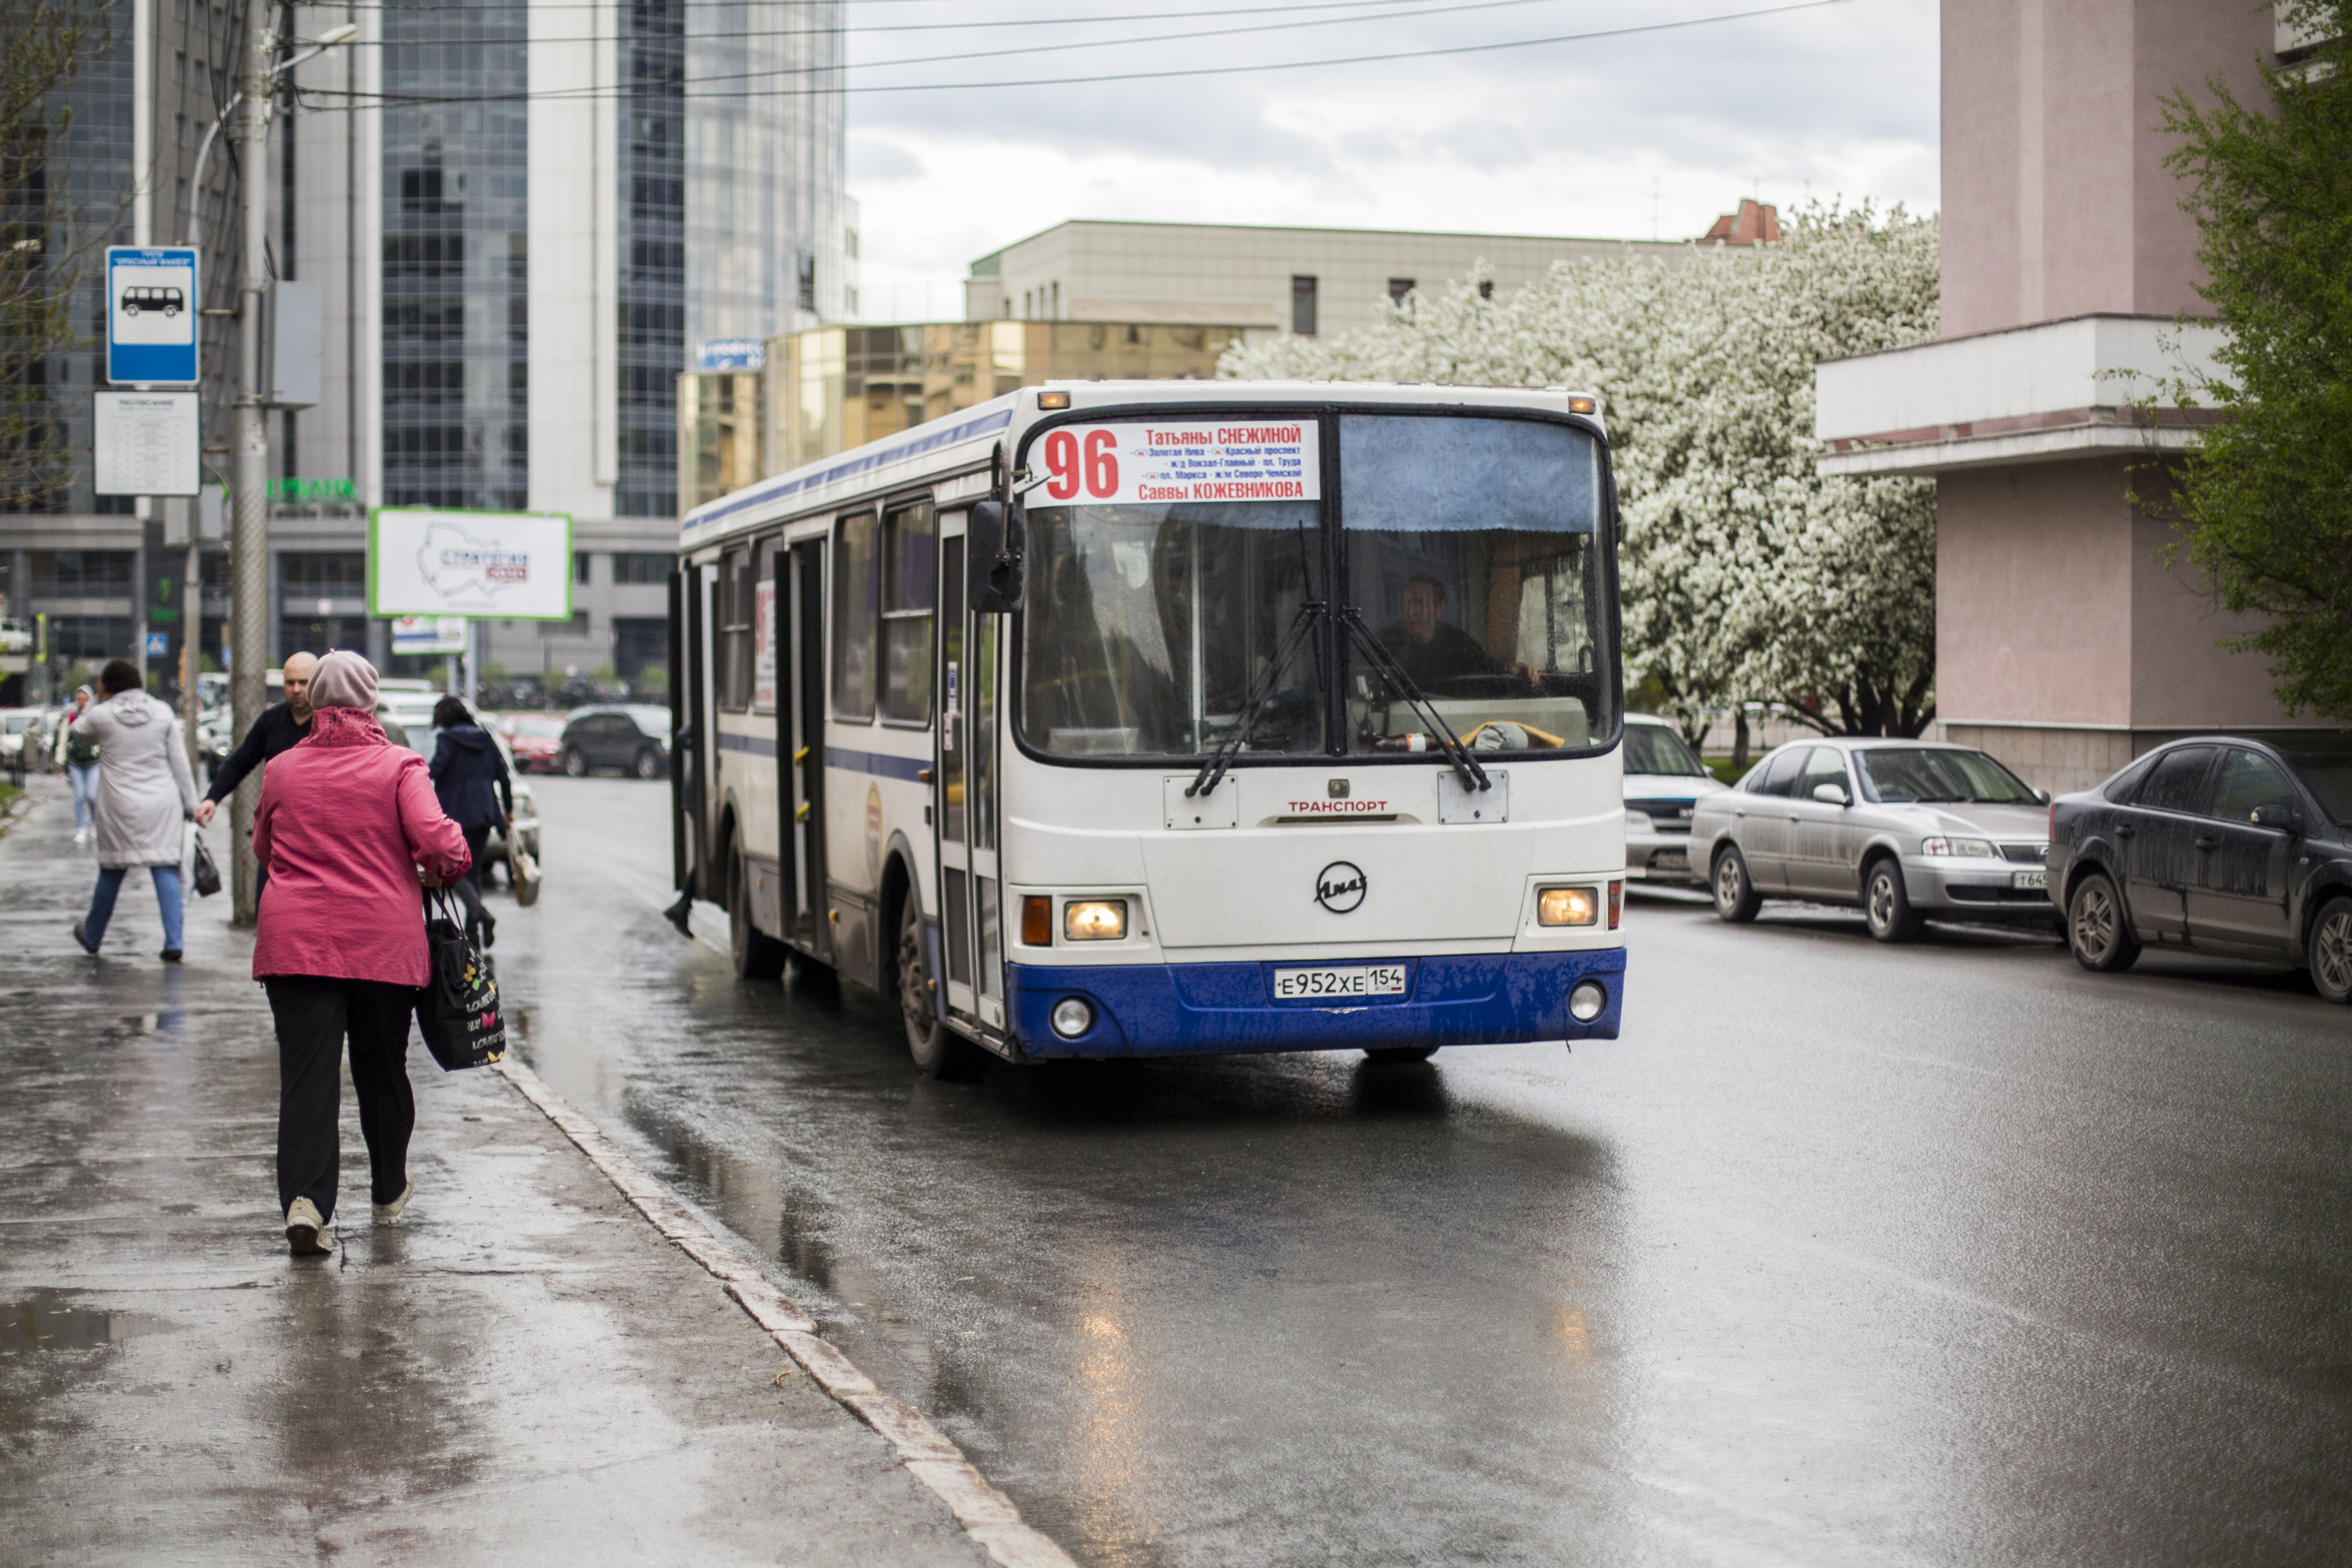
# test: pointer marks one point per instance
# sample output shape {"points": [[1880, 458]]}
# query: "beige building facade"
{"points": [[1319, 281], [2068, 638]]}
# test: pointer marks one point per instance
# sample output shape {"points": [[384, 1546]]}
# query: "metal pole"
{"points": [[192, 635], [249, 533]]}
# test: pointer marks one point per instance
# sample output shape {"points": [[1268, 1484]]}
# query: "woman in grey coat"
{"points": [[145, 792]]}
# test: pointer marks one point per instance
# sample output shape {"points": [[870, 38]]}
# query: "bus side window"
{"points": [[734, 648], [910, 576], [853, 611]]}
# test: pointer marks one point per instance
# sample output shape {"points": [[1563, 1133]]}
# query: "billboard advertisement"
{"points": [[510, 565]]}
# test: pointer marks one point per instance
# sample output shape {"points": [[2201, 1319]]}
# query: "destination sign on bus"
{"points": [[1209, 461]]}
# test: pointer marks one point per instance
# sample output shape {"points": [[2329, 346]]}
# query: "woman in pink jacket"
{"points": [[347, 820]]}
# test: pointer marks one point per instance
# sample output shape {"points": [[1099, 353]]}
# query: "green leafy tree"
{"points": [[43, 46], [2266, 496]]}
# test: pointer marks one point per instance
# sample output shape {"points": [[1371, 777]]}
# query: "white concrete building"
{"points": [[1311, 281]]}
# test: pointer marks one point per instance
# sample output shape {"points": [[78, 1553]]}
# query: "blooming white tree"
{"points": [[1747, 575]]}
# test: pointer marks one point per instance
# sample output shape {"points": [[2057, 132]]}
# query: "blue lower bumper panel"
{"points": [[1160, 1009]]}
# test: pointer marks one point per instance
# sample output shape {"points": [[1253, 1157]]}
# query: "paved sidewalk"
{"points": [[524, 1372]]}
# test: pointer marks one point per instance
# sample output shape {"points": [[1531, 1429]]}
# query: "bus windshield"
{"points": [[1472, 575]]}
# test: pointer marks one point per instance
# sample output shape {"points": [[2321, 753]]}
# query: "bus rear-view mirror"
{"points": [[995, 536]]}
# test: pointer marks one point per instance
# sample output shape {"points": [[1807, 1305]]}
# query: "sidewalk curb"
{"points": [[986, 1514]]}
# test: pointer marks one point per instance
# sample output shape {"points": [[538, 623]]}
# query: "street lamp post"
{"points": [[249, 485]]}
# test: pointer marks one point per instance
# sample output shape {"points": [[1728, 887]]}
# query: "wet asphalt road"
{"points": [[1844, 1254]]}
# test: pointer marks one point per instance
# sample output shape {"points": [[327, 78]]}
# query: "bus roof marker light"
{"points": [[1072, 1017], [1053, 400], [1584, 406]]}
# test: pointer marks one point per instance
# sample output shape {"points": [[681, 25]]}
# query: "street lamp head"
{"points": [[343, 34]]}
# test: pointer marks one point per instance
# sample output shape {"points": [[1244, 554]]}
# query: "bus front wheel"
{"points": [[937, 1050]]}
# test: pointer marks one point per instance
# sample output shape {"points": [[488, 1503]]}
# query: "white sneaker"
{"points": [[82, 835], [307, 1235], [389, 1214]]}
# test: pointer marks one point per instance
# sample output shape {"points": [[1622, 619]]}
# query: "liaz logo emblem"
{"points": [[1340, 887]]}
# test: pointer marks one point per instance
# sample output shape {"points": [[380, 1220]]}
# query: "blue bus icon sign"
{"points": [[152, 315]]}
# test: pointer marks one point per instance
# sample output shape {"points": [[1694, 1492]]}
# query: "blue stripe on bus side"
{"points": [[876, 763], [929, 441]]}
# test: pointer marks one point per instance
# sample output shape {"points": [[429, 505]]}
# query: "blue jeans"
{"points": [[109, 883], [85, 787]]}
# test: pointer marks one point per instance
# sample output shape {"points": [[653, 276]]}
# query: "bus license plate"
{"points": [[2038, 880], [1373, 980]]}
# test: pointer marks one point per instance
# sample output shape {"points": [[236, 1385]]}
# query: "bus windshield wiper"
{"points": [[1473, 777], [1261, 692]]}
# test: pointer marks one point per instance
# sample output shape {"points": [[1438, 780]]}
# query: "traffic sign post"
{"points": [[152, 310]]}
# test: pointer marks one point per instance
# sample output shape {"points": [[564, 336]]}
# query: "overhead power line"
{"points": [[1356, 5], [681, 89], [517, 7]]}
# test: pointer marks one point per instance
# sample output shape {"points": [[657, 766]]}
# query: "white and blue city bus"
{"points": [[1134, 718]]}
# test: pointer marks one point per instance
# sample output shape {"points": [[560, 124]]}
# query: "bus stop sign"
{"points": [[151, 315]]}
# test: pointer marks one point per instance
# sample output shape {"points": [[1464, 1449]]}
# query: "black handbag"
{"points": [[206, 874], [457, 1011]]}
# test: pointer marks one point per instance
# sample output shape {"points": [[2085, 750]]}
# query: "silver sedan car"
{"points": [[1908, 830]]}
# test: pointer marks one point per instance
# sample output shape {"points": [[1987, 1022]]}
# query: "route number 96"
{"points": [[1097, 471]]}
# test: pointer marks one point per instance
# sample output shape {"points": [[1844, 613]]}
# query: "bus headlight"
{"points": [[1585, 1003], [1567, 907], [1072, 1017], [1096, 920]]}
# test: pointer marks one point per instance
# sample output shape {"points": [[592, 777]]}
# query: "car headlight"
{"points": [[1095, 920], [1966, 849], [1567, 907], [1638, 822]]}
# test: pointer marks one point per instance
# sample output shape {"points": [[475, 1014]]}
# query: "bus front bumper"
{"points": [[1166, 1009]]}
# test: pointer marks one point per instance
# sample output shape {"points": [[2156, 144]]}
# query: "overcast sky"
{"points": [[1619, 137]]}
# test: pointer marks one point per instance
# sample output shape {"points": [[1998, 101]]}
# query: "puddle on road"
{"points": [[46, 1320]]}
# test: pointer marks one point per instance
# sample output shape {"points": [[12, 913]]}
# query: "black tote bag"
{"points": [[205, 874], [457, 1011]]}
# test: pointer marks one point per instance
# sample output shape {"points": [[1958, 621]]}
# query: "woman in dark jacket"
{"points": [[470, 779]]}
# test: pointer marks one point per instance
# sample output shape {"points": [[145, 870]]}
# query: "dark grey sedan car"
{"points": [[633, 739], [2213, 845]]}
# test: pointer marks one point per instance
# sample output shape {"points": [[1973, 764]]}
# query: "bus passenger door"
{"points": [[949, 794], [702, 724], [799, 761], [774, 648], [964, 793]]}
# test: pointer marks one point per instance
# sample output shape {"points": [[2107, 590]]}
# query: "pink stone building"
{"points": [[2064, 643]]}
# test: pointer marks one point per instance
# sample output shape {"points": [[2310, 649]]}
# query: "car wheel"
{"points": [[1736, 897], [1398, 1055], [2097, 933], [649, 764], [574, 765], [938, 1052], [1886, 904], [2331, 950], [756, 955]]}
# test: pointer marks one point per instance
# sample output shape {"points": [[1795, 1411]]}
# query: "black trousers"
{"points": [[314, 1015]]}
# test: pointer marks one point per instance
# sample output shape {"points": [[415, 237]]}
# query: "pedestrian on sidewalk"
{"points": [[470, 778], [145, 793], [79, 753], [348, 828], [279, 728]]}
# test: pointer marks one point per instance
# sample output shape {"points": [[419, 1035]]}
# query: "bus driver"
{"points": [[1436, 653]]}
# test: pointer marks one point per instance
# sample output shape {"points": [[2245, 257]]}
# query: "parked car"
{"points": [[1663, 778], [633, 739], [18, 725], [1910, 830], [2213, 845], [536, 740]]}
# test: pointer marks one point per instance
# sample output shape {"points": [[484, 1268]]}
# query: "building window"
{"points": [[81, 573], [1398, 289], [853, 611], [323, 574], [909, 574], [640, 643], [849, 242], [579, 626], [1055, 313], [1486, 288], [1302, 306], [642, 566], [580, 567]]}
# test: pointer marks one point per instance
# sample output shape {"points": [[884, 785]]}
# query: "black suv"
{"points": [[2213, 845], [635, 739]]}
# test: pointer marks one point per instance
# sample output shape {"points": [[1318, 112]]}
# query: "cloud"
{"points": [[1598, 138]]}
